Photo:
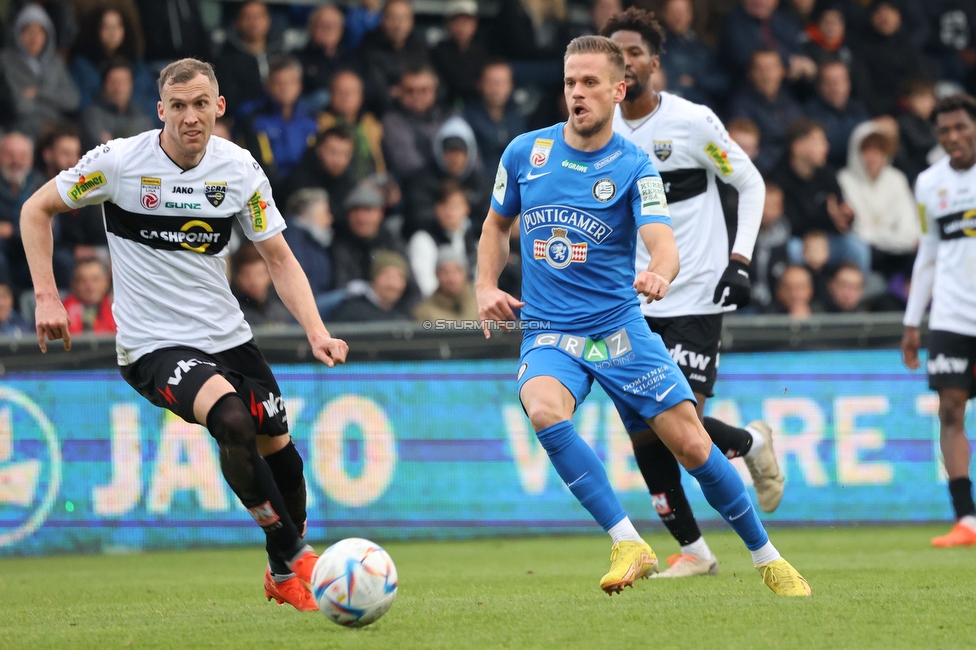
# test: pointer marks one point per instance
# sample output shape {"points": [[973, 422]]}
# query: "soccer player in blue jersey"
{"points": [[584, 195]]}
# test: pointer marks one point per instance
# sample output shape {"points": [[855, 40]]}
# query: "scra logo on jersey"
{"points": [[215, 192], [662, 149], [558, 251], [152, 188], [541, 149]]}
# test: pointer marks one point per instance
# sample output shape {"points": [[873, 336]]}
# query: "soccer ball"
{"points": [[354, 582]]}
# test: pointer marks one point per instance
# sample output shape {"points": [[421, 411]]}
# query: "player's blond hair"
{"points": [[183, 70], [598, 45]]}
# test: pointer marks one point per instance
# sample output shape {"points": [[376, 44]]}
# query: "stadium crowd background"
{"points": [[380, 127]]}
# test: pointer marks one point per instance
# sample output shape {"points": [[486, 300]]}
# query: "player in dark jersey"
{"points": [[182, 340], [584, 194]]}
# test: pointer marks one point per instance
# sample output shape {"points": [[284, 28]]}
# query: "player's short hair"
{"points": [[640, 21], [284, 62], [955, 102], [597, 45], [303, 199], [183, 70]]}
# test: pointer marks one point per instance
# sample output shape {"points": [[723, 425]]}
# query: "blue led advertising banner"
{"points": [[442, 449]]}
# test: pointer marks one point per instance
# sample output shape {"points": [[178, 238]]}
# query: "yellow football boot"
{"points": [[780, 576], [629, 562]]}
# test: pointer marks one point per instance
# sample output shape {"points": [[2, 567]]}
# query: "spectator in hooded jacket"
{"points": [[451, 229], [41, 86], [884, 208], [107, 35]]}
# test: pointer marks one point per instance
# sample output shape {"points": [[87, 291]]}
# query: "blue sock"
{"points": [[578, 466], [725, 491]]}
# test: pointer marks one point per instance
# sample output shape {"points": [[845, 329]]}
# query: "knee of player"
{"points": [[545, 413], [692, 450], [952, 411], [229, 422]]}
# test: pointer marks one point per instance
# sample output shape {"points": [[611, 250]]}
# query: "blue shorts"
{"points": [[629, 361]]}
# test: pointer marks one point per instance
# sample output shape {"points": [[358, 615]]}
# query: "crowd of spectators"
{"points": [[380, 130]]}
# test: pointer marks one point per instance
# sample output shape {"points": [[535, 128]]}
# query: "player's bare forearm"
{"points": [[295, 292], [659, 240], [493, 249], [35, 228]]}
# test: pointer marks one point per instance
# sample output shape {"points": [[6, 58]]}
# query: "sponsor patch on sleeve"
{"points": [[501, 184], [719, 157], [256, 206], [653, 201], [85, 184], [923, 222]]}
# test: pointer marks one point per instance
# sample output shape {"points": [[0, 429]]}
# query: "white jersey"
{"points": [[945, 267], [168, 231], [691, 148]]}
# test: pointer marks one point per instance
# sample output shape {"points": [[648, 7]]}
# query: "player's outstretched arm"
{"points": [[292, 286], [656, 280], [50, 318], [493, 303]]}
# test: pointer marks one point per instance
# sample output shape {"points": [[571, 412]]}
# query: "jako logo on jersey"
{"points": [[558, 250], [575, 166], [215, 192], [539, 155], [151, 190], [256, 205], [662, 149], [182, 190], [688, 358], [719, 157], [183, 366], [182, 206], [86, 185], [566, 217], [943, 365]]}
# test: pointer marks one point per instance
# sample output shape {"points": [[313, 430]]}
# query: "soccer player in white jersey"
{"points": [[945, 272], [692, 150], [169, 199]]}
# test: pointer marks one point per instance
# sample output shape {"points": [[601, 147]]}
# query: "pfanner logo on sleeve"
{"points": [[257, 206], [86, 184]]}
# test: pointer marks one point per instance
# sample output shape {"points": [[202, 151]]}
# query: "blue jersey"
{"points": [[580, 213]]}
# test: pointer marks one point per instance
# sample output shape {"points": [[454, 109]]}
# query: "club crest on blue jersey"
{"points": [[558, 251], [604, 190]]}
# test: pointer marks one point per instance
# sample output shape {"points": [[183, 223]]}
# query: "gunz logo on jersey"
{"points": [[257, 206], [86, 184], [558, 251], [152, 189], [215, 192], [719, 157], [662, 149], [541, 149]]}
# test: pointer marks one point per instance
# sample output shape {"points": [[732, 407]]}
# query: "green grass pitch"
{"points": [[874, 587]]}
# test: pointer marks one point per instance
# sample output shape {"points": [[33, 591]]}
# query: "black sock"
{"points": [[663, 477], [961, 490], [731, 441], [287, 467], [248, 474]]}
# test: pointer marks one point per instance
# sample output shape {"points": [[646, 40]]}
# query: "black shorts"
{"points": [[694, 343], [171, 378], [951, 361]]}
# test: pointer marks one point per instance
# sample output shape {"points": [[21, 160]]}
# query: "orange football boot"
{"points": [[292, 591], [960, 535]]}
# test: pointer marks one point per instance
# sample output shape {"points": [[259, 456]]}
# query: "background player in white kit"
{"points": [[945, 272], [169, 200], [691, 149]]}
